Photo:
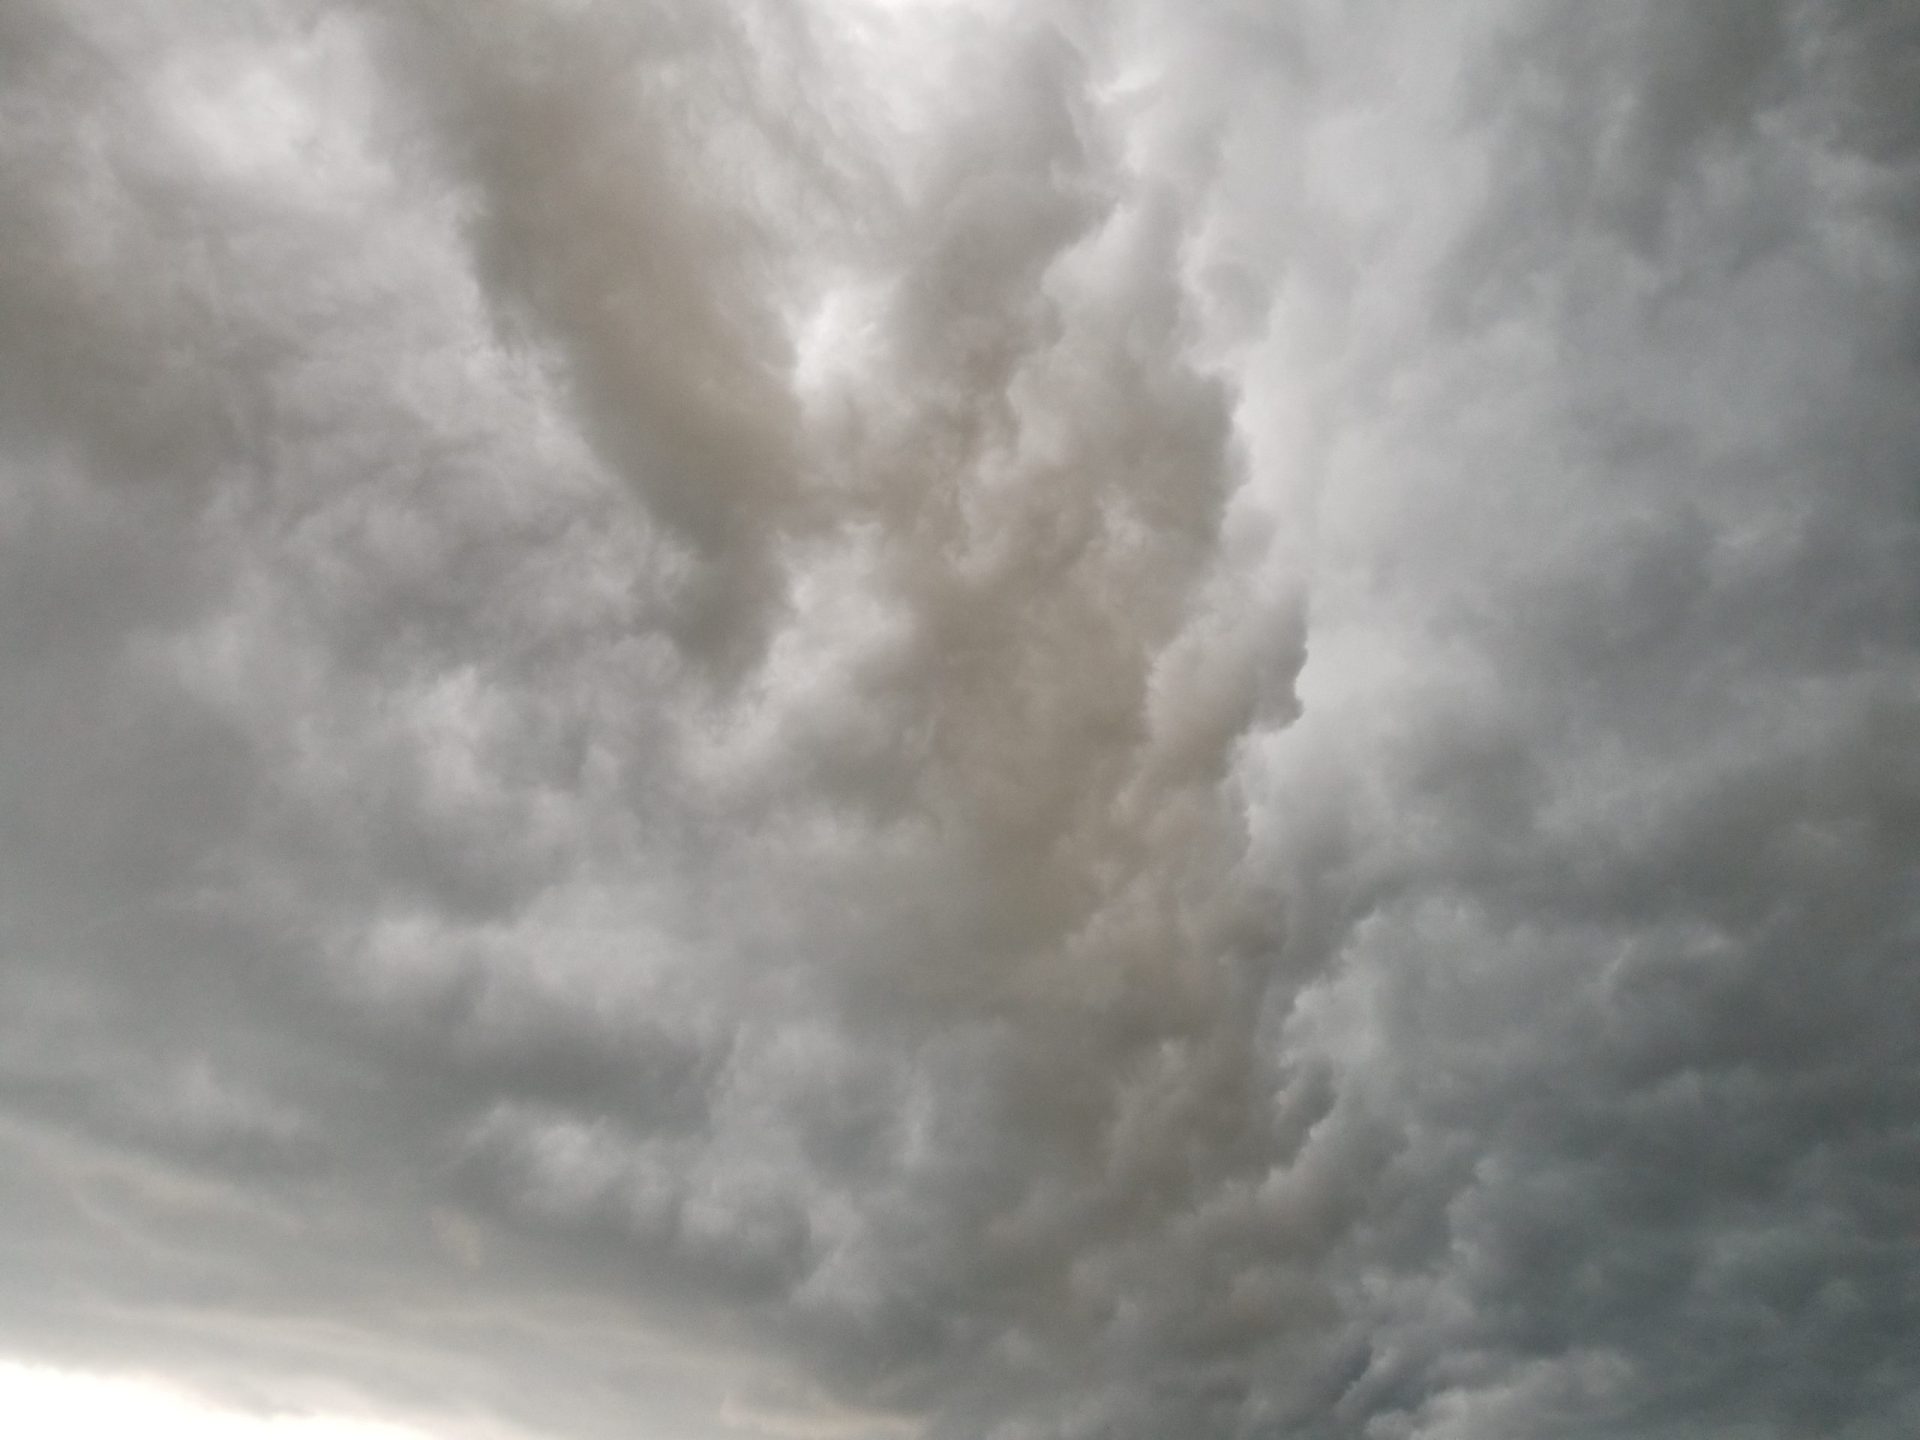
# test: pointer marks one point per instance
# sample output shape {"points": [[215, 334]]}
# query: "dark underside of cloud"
{"points": [[1000, 722]]}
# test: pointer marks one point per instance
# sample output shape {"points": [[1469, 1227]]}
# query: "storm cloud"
{"points": [[952, 719]]}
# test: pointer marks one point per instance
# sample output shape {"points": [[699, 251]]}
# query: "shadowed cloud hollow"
{"points": [[965, 720]]}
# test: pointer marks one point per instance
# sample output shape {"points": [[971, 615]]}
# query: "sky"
{"points": [[960, 719]]}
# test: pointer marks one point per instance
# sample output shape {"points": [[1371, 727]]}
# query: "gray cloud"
{"points": [[883, 720]]}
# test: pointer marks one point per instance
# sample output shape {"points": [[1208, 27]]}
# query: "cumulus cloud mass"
{"points": [[965, 720]]}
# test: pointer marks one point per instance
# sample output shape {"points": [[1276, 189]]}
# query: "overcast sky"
{"points": [[961, 719]]}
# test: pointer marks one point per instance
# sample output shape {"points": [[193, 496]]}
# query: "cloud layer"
{"points": [[960, 720]]}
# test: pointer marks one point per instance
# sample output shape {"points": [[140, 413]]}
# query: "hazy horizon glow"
{"points": [[38, 1401]]}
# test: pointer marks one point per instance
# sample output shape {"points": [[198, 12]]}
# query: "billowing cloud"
{"points": [[961, 720]]}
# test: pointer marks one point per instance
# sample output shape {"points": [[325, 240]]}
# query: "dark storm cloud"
{"points": [[920, 720]]}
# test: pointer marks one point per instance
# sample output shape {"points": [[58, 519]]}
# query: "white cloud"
{"points": [[35, 1400], [940, 718]]}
